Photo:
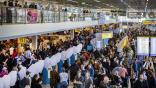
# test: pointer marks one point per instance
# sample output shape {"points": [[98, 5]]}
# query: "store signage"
{"points": [[21, 40], [143, 46], [107, 34]]}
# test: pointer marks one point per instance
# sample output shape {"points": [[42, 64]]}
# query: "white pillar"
{"points": [[72, 34], [34, 42]]}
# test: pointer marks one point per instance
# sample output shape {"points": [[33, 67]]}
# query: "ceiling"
{"points": [[109, 4]]}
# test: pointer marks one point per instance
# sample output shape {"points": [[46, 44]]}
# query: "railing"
{"points": [[14, 15]]}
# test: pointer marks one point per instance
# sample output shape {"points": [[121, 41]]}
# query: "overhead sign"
{"points": [[21, 40], [136, 14], [153, 46], [149, 22], [107, 34], [143, 46]]}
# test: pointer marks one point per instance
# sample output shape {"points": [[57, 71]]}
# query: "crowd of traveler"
{"points": [[17, 3], [99, 68], [24, 4]]}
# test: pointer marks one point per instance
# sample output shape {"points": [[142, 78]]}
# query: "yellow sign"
{"points": [[107, 34], [21, 40], [77, 30], [149, 22], [87, 28], [123, 43]]}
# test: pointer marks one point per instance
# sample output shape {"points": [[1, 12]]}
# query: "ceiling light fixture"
{"points": [[146, 6], [72, 1], [97, 1], [83, 3]]}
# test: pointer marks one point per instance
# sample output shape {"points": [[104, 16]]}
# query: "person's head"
{"points": [[50, 68], [150, 59], [27, 74], [63, 69], [106, 80], [100, 64], [82, 67], [141, 77], [35, 77], [79, 73], [87, 75], [89, 66], [19, 62], [104, 60]]}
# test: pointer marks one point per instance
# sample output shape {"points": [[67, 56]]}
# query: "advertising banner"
{"points": [[107, 34], [32, 16], [143, 46], [153, 46]]}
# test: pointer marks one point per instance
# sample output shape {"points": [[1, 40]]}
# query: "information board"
{"points": [[153, 46], [143, 46]]}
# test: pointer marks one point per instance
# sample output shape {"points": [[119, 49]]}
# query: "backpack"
{"points": [[25, 81]]}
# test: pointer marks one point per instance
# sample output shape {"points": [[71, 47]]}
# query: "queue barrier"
{"points": [[10, 79]]}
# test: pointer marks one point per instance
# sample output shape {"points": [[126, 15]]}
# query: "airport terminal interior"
{"points": [[77, 43]]}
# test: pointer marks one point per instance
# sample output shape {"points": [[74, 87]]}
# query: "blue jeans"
{"points": [[64, 85]]}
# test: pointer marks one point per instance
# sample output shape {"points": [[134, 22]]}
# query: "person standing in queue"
{"points": [[26, 82], [54, 78], [63, 79], [141, 82], [39, 83], [78, 81], [34, 81], [88, 81]]}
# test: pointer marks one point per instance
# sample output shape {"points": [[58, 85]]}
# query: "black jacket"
{"points": [[139, 84]]}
